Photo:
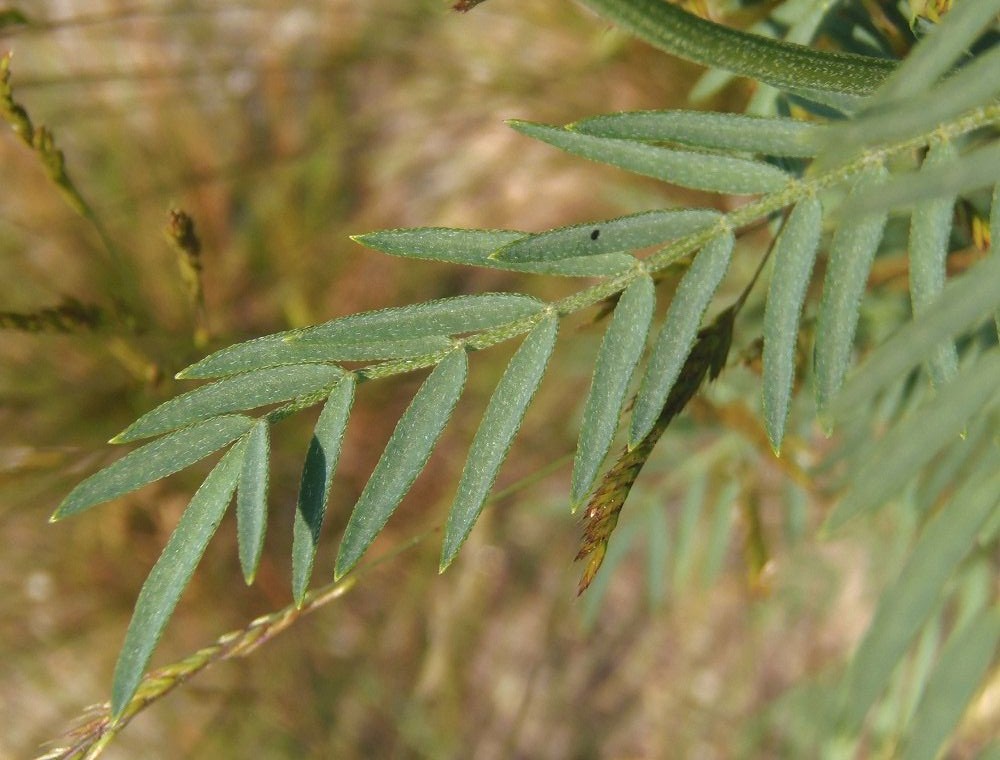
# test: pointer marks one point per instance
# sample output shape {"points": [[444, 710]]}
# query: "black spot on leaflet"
{"points": [[595, 234]]}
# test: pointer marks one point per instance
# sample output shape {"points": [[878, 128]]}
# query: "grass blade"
{"points": [[314, 491], [699, 171], [679, 331], [930, 229], [904, 607], [777, 136], [959, 672], [851, 254], [912, 443], [473, 247], [251, 499], [404, 457], [445, 316], [626, 233], [794, 255], [154, 461], [248, 391], [500, 424], [621, 349], [171, 573]]}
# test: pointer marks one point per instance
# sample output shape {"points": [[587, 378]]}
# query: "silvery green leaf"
{"points": [[251, 499]]}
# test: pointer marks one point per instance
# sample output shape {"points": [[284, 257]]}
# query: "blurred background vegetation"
{"points": [[282, 128]]}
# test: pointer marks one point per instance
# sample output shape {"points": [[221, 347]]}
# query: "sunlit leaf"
{"points": [[794, 254], [959, 673], [276, 351], [930, 228], [621, 349], [153, 461], [912, 443], [700, 171], [776, 136], [851, 254], [905, 605], [473, 247], [404, 457], [171, 573], [966, 300], [247, 391], [493, 439], [626, 233], [251, 499], [445, 316], [678, 333], [314, 489]]}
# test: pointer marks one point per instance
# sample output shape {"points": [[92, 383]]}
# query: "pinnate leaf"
{"points": [[153, 461], [404, 457], [493, 439], [445, 316], [773, 136], [794, 254], [251, 498], [621, 349], [246, 391], [699, 171], [679, 332], [171, 573], [314, 490], [627, 233], [851, 254], [473, 247]]}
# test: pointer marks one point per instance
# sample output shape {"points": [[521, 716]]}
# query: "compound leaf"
{"points": [[500, 424], [699, 171], [155, 460], [171, 573], [794, 255], [314, 490], [404, 457], [679, 331], [620, 351], [246, 391]]}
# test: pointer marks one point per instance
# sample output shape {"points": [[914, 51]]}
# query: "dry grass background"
{"points": [[282, 128]]}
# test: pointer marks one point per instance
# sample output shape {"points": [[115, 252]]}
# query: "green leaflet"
{"points": [[974, 85], [965, 300], [700, 171], [679, 331], [783, 65], [314, 490], [493, 439], [473, 247], [445, 316], [905, 605], [404, 457], [930, 228], [625, 233], [247, 391], [794, 254], [153, 461], [620, 351], [975, 169], [276, 351], [995, 238], [958, 675], [936, 53], [171, 573], [851, 254], [777, 136], [251, 499], [912, 443]]}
